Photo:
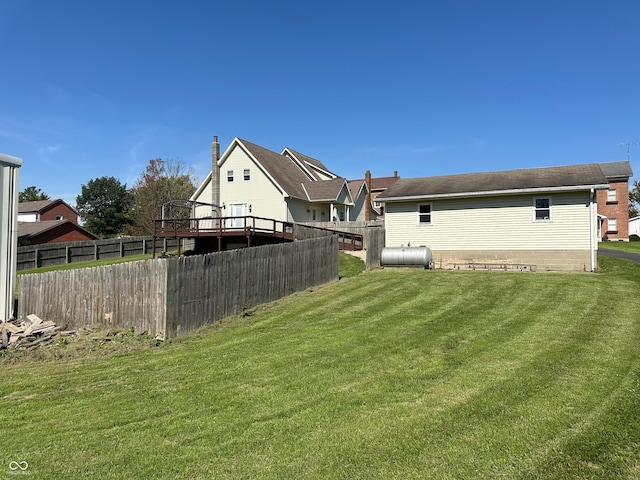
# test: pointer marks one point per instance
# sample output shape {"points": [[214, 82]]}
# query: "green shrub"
{"points": [[634, 238]]}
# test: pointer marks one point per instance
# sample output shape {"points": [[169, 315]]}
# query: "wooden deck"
{"points": [[246, 227]]}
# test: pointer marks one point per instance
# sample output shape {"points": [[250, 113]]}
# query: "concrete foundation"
{"points": [[539, 260]]}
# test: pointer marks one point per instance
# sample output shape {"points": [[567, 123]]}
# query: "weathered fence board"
{"points": [[171, 296]]}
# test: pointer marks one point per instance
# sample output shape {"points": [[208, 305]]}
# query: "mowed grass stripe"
{"points": [[391, 374]]}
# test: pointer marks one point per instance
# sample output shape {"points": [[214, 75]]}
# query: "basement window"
{"points": [[542, 209], [229, 175], [424, 214], [247, 174]]}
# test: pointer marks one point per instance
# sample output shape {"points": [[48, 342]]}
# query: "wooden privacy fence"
{"points": [[171, 296], [50, 254]]}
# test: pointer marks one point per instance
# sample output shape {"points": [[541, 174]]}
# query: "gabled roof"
{"points": [[529, 180], [309, 165], [355, 187], [382, 183], [281, 168], [325, 190], [41, 206], [617, 170], [31, 229]]}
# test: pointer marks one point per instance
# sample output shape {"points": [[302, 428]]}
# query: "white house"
{"points": [[542, 217], [634, 226], [290, 187], [8, 232]]}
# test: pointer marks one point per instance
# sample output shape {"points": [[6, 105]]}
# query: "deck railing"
{"points": [[247, 226]]}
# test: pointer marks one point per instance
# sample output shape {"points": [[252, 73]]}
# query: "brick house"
{"points": [[52, 231], [613, 203], [49, 221], [43, 210]]}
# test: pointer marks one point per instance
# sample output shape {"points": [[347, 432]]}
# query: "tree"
{"points": [[32, 194], [161, 182], [634, 200], [104, 204]]}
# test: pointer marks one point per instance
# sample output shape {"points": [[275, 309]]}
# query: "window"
{"points": [[612, 225], [611, 195], [542, 209], [229, 175], [247, 174], [424, 214], [59, 217]]}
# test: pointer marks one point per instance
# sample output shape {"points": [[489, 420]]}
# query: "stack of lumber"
{"points": [[32, 332]]}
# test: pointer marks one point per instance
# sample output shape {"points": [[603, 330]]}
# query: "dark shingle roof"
{"points": [[307, 159], [510, 181], [325, 190], [617, 170], [281, 168], [291, 178], [28, 207], [31, 229]]}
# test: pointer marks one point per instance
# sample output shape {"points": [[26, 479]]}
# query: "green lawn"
{"points": [[633, 247], [91, 263], [387, 374]]}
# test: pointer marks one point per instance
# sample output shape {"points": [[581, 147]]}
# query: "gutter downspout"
{"points": [[591, 233]]}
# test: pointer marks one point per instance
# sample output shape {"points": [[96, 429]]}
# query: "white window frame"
{"points": [[246, 174], [536, 209], [421, 214], [612, 195], [612, 224], [229, 175]]}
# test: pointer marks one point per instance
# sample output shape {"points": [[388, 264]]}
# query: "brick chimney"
{"points": [[367, 181], [215, 178]]}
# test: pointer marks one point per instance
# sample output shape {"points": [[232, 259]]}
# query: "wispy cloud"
{"points": [[47, 153]]}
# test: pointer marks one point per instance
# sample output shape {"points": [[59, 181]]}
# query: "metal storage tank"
{"points": [[406, 257]]}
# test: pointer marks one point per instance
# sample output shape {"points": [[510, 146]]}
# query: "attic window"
{"points": [[229, 175], [247, 174], [542, 209]]}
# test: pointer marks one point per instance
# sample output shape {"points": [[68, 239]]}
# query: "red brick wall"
{"points": [[619, 209], [66, 232], [62, 209]]}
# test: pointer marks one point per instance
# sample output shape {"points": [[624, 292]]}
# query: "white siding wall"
{"points": [[206, 196], [492, 223], [27, 217], [259, 192]]}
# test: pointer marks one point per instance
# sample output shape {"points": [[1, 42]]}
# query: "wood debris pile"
{"points": [[33, 332]]}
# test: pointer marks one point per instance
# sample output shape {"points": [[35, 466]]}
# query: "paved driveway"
{"points": [[618, 254]]}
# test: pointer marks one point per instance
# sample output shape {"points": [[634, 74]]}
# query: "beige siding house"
{"points": [[291, 187], [545, 218]]}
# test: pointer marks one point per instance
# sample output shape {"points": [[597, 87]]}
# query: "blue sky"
{"points": [[98, 88]]}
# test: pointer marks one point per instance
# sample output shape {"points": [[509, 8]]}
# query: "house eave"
{"points": [[494, 193]]}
